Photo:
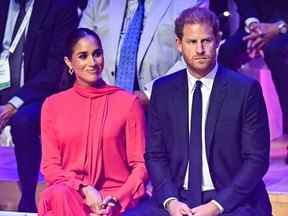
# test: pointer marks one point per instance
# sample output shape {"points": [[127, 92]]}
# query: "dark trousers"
{"points": [[232, 54], [25, 130], [149, 207]]}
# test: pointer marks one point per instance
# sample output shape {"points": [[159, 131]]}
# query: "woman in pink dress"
{"points": [[93, 138]]}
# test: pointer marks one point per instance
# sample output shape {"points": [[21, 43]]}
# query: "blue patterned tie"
{"points": [[195, 147], [127, 66]]}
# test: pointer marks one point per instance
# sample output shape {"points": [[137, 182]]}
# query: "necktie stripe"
{"points": [[127, 66]]}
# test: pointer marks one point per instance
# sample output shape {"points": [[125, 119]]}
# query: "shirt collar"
{"points": [[207, 81]]}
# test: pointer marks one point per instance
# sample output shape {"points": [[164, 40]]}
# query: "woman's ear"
{"points": [[69, 64]]}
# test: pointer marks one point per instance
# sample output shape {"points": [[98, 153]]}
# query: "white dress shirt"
{"points": [[206, 88]]}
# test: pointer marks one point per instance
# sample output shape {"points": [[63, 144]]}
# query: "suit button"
{"points": [[112, 73]]}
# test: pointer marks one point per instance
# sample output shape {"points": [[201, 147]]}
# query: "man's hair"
{"points": [[196, 15]]}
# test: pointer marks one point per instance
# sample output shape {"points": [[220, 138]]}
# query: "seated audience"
{"points": [[31, 62], [263, 32], [93, 137]]}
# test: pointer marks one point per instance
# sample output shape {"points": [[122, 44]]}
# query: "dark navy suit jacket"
{"points": [[236, 134], [50, 23]]}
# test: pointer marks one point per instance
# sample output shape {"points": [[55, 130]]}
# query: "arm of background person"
{"points": [[203, 3], [246, 9], [47, 79], [89, 16]]}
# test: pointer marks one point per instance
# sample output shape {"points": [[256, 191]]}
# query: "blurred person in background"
{"points": [[32, 37]]}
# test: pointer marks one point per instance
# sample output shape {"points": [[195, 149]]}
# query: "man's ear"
{"points": [[219, 38], [179, 44]]}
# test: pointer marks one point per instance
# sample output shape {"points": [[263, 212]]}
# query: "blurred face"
{"points": [[86, 61], [198, 47]]}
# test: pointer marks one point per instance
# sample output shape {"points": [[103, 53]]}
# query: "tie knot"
{"points": [[22, 4], [141, 2], [198, 84]]}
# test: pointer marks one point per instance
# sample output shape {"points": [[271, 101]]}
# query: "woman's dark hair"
{"points": [[67, 80]]}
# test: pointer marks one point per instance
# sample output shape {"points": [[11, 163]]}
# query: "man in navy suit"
{"points": [[40, 70], [208, 135]]}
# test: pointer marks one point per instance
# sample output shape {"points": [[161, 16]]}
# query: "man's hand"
{"points": [[208, 209], [260, 35], [6, 112], [177, 208], [93, 199]]}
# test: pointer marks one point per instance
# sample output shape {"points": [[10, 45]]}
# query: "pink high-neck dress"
{"points": [[91, 136]]}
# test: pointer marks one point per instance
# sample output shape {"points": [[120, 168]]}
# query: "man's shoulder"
{"points": [[56, 5], [171, 79], [235, 78]]}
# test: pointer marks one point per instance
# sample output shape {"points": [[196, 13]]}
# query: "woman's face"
{"points": [[87, 61]]}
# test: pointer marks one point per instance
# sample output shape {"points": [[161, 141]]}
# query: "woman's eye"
{"points": [[82, 56], [98, 53]]}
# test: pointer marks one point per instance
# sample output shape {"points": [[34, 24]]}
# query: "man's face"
{"points": [[198, 47]]}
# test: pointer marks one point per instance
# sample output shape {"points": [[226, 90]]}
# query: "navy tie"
{"points": [[195, 147], [127, 67]]}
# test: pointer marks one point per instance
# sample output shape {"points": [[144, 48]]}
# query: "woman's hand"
{"points": [[93, 199], [109, 206]]}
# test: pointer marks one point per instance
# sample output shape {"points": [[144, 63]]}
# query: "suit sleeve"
{"points": [[203, 3], [51, 151], [46, 80], [255, 148], [134, 187], [246, 9], [89, 16], [156, 155]]}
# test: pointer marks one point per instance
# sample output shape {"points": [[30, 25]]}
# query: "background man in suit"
{"points": [[263, 31], [39, 63], [208, 136], [155, 52]]}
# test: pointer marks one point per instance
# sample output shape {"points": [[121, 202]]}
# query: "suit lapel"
{"points": [[3, 17], [180, 106], [116, 13], [216, 101], [156, 14], [39, 12]]}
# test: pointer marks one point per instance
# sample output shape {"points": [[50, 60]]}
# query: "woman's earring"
{"points": [[71, 71]]}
